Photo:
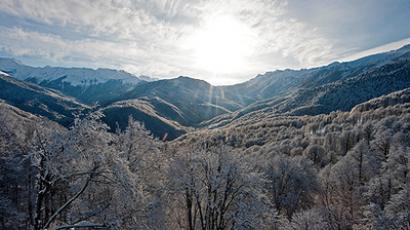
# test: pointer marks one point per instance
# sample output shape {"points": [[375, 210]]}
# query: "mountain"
{"points": [[391, 100], [338, 86], [117, 115], [168, 107], [87, 85], [39, 101], [147, 78], [267, 132], [281, 83], [192, 101]]}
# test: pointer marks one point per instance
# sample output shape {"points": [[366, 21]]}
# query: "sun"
{"points": [[222, 45]]}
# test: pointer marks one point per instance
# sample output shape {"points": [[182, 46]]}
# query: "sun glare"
{"points": [[222, 45]]}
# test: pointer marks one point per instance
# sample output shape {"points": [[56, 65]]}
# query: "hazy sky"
{"points": [[222, 41]]}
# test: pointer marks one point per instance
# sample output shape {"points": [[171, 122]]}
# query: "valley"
{"points": [[171, 107], [321, 148]]}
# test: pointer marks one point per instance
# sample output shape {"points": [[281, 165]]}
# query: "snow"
{"points": [[82, 224], [74, 76], [147, 78], [3, 73], [81, 76]]}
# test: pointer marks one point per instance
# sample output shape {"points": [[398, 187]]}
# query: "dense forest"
{"points": [[343, 170]]}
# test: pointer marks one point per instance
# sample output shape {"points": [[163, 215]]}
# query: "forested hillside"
{"points": [[40, 101], [344, 170], [338, 86], [169, 107], [154, 117]]}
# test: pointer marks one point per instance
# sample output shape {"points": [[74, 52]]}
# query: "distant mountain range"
{"points": [[87, 85], [338, 86], [171, 107]]}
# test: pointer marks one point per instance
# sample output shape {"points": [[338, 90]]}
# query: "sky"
{"points": [[220, 41]]}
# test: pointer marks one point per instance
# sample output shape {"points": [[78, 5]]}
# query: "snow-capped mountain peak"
{"points": [[73, 76]]}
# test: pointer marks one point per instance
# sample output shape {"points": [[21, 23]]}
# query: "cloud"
{"points": [[96, 53], [150, 37], [122, 18], [142, 34], [379, 49]]}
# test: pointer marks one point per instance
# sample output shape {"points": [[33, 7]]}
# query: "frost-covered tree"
{"points": [[292, 184], [398, 210], [217, 189]]}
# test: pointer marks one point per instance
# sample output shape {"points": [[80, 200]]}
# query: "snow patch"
{"points": [[3, 73]]}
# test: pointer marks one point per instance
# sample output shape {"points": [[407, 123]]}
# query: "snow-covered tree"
{"points": [[292, 184], [217, 189]]}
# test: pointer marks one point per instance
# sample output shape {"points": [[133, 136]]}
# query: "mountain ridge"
{"points": [[40, 101], [88, 85], [183, 102]]}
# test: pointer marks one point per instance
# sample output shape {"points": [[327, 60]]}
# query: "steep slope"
{"points": [[338, 86], [400, 97], [184, 101], [282, 83], [22, 118], [268, 132], [38, 100], [194, 100], [117, 115], [343, 95], [87, 85]]}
